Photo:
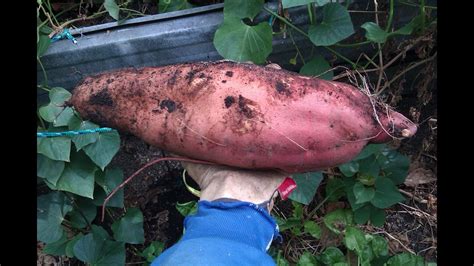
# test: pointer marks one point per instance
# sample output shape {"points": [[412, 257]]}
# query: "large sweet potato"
{"points": [[240, 114]]}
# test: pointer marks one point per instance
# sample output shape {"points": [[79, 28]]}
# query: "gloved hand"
{"points": [[218, 182]]}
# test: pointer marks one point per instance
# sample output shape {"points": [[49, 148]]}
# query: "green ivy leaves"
{"points": [[335, 27], [187, 208], [306, 186], [112, 8], [95, 250], [130, 228], [50, 212], [238, 41], [73, 173], [78, 176], [103, 149], [173, 5], [374, 33], [58, 96], [242, 8], [318, 67], [370, 182]]}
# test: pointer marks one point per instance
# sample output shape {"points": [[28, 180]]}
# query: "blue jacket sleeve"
{"points": [[223, 233]]}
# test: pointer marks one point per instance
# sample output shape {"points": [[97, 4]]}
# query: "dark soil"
{"points": [[155, 191]]}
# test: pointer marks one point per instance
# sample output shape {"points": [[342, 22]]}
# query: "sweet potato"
{"points": [[240, 114]]}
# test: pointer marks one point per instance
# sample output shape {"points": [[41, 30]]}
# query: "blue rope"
{"points": [[65, 34], [73, 132]]}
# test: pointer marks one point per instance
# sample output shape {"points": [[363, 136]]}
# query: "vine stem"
{"points": [[143, 168], [78, 209], [352, 44], [354, 65], [423, 16], [62, 26], [310, 13], [390, 16], [379, 80], [42, 68], [297, 49], [286, 22], [405, 71], [51, 11]]}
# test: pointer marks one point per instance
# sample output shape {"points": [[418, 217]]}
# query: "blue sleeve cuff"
{"points": [[224, 233]]}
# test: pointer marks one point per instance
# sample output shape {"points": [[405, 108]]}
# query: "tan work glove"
{"points": [[218, 182]]}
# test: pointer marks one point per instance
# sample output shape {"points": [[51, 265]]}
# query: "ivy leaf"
{"points": [[94, 250], [369, 212], [187, 208], [405, 258], [153, 250], [377, 216], [129, 229], [349, 169], [78, 176], [409, 28], [173, 5], [104, 148], [87, 208], [49, 169], [366, 255], [338, 219], [306, 186], [348, 188], [57, 149], [289, 223], [100, 233], [369, 166], [335, 27], [386, 193], [331, 256], [307, 259], [280, 260], [334, 189], [374, 33], [57, 248], [362, 215], [83, 140], [70, 245], [58, 96], [50, 212], [240, 42], [42, 45], [64, 117], [108, 181], [363, 193], [112, 8], [317, 66], [379, 246], [313, 229], [242, 8], [369, 150], [395, 166], [354, 239], [297, 210]]}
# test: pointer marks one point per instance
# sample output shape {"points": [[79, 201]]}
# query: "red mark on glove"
{"points": [[286, 187]]}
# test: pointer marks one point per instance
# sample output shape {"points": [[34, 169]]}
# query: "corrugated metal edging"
{"points": [[163, 40]]}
